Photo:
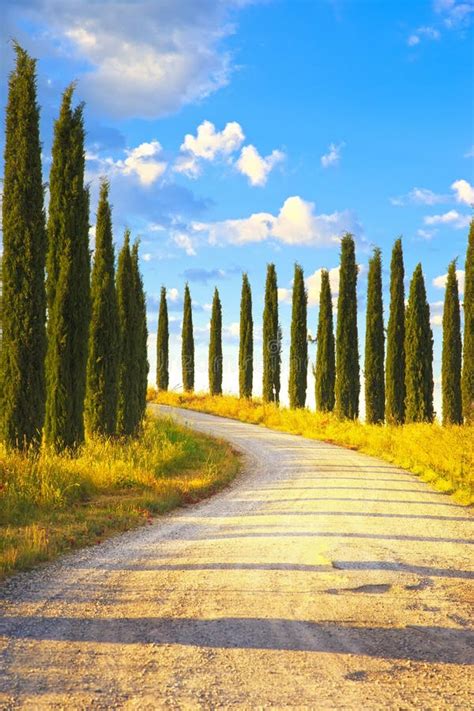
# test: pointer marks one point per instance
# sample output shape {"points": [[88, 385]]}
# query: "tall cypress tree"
{"points": [[127, 367], [187, 343], [451, 358], [347, 347], [103, 358], [395, 365], [246, 340], [215, 347], [271, 339], [23, 314], [162, 344], [325, 371], [68, 288], [140, 339], [468, 351], [299, 342], [419, 353], [374, 344]]}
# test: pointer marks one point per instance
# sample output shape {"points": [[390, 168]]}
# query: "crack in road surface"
{"points": [[321, 578]]}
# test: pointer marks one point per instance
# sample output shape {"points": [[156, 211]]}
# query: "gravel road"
{"points": [[321, 579]]}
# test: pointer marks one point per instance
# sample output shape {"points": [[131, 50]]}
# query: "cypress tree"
{"points": [[347, 347], [374, 344], [395, 365], [468, 359], [139, 340], [325, 371], [187, 343], [451, 358], [299, 342], [215, 347], [126, 407], [68, 288], [271, 339], [103, 358], [162, 344], [419, 353], [246, 340], [23, 313]]}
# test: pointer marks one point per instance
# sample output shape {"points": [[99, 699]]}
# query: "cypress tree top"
{"points": [[395, 366], [374, 344], [215, 347], [451, 358], [187, 342], [126, 413], [419, 353], [299, 342], [246, 340], [162, 344], [325, 371], [271, 339]]}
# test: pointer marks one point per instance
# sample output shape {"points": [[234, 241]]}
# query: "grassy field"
{"points": [[51, 504], [441, 456]]}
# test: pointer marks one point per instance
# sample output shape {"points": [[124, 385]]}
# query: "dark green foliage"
{"points": [[215, 347], [468, 351], [140, 338], [299, 342], [419, 353], [374, 344], [271, 339], [23, 314], [126, 409], [451, 359], [347, 346], [68, 289], [325, 371], [103, 358], [187, 343], [162, 344], [395, 365], [246, 340]]}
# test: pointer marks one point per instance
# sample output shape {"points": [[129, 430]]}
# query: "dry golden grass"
{"points": [[50, 504], [441, 456]]}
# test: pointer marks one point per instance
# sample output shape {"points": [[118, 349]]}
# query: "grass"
{"points": [[51, 504], [441, 456]]}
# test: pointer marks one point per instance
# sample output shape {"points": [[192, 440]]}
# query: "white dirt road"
{"points": [[321, 579]]}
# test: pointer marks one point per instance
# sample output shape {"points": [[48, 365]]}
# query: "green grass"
{"points": [[51, 504]]}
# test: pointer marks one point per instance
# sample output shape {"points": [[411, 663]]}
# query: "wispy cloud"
{"points": [[204, 276], [420, 196], [452, 218], [333, 155], [426, 32]]}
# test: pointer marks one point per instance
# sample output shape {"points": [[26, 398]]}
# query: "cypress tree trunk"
{"points": [[395, 365], [140, 340], [451, 358], [215, 347], [419, 353], [68, 287], [103, 359], [325, 371], [246, 340], [162, 345], [299, 343], [347, 347], [468, 359], [374, 344], [127, 367], [271, 340], [187, 343], [23, 314]]}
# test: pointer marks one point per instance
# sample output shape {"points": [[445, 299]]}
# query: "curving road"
{"points": [[322, 578]]}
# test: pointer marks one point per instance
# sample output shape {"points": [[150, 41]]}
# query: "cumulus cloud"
{"points": [[255, 166], [452, 218], [208, 144], [333, 156], [440, 281], [436, 313], [313, 285], [464, 191], [141, 162]]}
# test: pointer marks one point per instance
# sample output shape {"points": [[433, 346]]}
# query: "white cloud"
{"points": [[333, 156], [455, 13], [284, 295], [413, 40], [440, 281], [453, 218], [208, 144], [464, 191], [436, 313], [470, 152], [255, 167], [173, 294], [426, 234], [184, 241], [419, 196], [313, 285], [142, 162]]}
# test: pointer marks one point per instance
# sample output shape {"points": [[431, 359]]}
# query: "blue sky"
{"points": [[236, 133]]}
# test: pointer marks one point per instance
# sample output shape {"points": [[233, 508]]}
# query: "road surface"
{"points": [[322, 579]]}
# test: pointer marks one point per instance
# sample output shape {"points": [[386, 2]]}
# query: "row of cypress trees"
{"points": [[398, 362], [73, 348]]}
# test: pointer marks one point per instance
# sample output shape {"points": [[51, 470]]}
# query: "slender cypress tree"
{"points": [[468, 359], [68, 288], [126, 408], [452, 347], [395, 365], [246, 340], [271, 339], [103, 359], [215, 347], [140, 340], [374, 344], [23, 313], [187, 343], [162, 345], [325, 371], [419, 353], [299, 342], [347, 347]]}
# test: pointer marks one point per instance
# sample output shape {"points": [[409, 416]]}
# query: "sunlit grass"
{"points": [[51, 503], [442, 456]]}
